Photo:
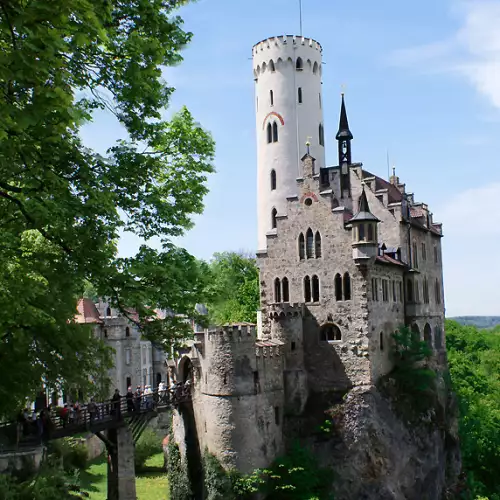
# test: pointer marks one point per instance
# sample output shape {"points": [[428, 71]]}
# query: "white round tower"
{"points": [[287, 73]]}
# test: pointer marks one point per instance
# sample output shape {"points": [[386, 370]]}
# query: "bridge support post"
{"points": [[121, 466]]}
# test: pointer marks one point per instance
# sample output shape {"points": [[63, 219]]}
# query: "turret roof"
{"points": [[364, 213], [344, 132]]}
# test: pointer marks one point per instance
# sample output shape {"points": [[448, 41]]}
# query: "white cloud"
{"points": [[470, 247], [472, 52]]}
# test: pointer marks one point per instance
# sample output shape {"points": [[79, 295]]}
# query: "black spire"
{"points": [[344, 133], [364, 213]]}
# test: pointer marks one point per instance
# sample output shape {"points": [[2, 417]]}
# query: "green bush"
{"points": [[178, 479], [148, 444], [218, 483], [72, 453]]}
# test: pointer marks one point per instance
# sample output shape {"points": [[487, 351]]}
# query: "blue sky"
{"points": [[422, 80]]}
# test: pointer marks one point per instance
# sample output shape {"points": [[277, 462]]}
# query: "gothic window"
{"points": [[347, 286], [128, 382], [416, 291], [415, 330], [423, 251], [307, 289], [370, 232], [409, 291], [428, 335], [309, 243], [374, 289], [127, 332], [361, 232], [330, 333], [302, 246], [435, 254], [299, 65], [269, 133], [415, 255], [277, 290], [315, 68], [338, 287], [381, 336], [273, 179], [271, 65], [299, 95], [317, 245], [438, 337], [315, 289], [274, 213], [394, 295], [108, 311], [437, 292], [321, 135], [275, 132], [286, 291], [426, 291], [271, 97]]}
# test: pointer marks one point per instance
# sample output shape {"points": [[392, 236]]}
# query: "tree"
{"points": [[232, 288], [62, 206]]}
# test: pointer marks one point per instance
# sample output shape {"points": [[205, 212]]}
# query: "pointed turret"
{"points": [[364, 231], [344, 132], [344, 138]]}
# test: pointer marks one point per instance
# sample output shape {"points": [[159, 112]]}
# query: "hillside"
{"points": [[478, 321]]}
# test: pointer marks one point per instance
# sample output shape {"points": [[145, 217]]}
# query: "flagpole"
{"points": [[300, 14]]}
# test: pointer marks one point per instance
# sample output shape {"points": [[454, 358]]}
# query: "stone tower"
{"points": [[287, 73]]}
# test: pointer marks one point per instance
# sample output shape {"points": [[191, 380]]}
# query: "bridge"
{"points": [[117, 423]]}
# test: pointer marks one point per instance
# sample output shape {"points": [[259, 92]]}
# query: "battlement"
{"points": [[268, 348], [280, 41], [241, 332], [285, 310]]}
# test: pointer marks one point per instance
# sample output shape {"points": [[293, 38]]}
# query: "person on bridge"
{"points": [[138, 395], [130, 400], [115, 404], [92, 410]]}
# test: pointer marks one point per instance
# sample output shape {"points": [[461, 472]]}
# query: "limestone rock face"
{"points": [[375, 454]]}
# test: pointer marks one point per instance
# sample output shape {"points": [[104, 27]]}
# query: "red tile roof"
{"points": [[385, 259], [87, 312], [394, 194], [416, 212]]}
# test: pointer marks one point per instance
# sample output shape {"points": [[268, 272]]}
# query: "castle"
{"points": [[345, 258]]}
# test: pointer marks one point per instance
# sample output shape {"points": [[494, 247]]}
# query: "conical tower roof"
{"points": [[344, 132], [364, 213]]}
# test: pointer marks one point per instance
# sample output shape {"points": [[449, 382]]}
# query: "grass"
{"points": [[150, 484]]}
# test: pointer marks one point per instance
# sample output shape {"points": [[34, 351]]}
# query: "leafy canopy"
{"points": [[232, 288], [63, 206]]}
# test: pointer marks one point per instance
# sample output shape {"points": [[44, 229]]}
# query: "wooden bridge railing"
{"points": [[111, 413]]}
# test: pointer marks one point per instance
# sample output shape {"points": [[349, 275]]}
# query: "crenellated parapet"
{"points": [[285, 310], [241, 332]]}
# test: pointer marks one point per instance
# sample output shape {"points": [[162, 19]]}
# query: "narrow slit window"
{"points": [[277, 290], [321, 133], [299, 95], [307, 289], [315, 288], [302, 246], [338, 287], [286, 290], [269, 133], [381, 341], [271, 97], [347, 286], [273, 180], [275, 132]]}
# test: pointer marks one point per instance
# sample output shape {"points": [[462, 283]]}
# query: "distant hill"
{"points": [[478, 321]]}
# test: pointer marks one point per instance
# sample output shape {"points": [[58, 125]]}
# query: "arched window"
{"points": [[271, 97], [428, 335], [409, 291], [338, 287], [275, 132], [330, 333], [415, 330], [273, 179], [274, 213], [315, 288], [299, 65], [347, 287], [127, 332], [271, 65], [307, 289], [310, 243], [277, 290], [269, 133], [437, 292], [426, 291], [438, 337], [321, 134], [108, 311], [299, 95], [315, 67], [381, 336], [423, 251], [317, 245], [286, 291], [361, 232], [302, 246], [370, 232], [416, 291]]}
